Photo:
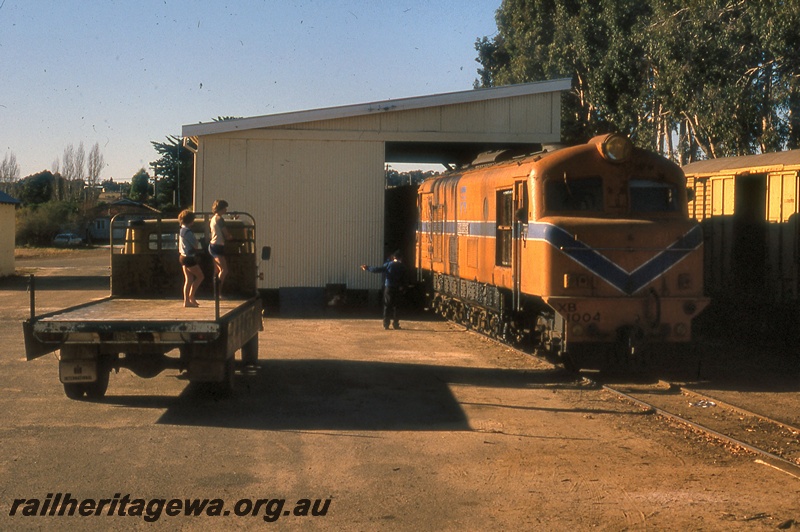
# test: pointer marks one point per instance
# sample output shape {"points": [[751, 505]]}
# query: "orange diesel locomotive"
{"points": [[582, 251]]}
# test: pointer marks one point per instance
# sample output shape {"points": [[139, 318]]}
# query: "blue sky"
{"points": [[124, 73]]}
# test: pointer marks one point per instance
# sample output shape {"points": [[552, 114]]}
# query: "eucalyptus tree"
{"points": [[689, 78]]}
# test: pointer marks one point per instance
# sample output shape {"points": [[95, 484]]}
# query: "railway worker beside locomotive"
{"points": [[394, 278]]}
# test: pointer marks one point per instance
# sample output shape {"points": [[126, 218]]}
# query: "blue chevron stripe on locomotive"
{"points": [[603, 267]]}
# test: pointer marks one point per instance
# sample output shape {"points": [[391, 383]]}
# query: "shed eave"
{"points": [[385, 106]]}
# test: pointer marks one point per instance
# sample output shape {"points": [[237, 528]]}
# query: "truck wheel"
{"points": [[97, 390], [228, 384], [250, 351], [74, 390], [224, 388]]}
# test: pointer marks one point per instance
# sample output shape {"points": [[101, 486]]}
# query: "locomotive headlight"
{"points": [[615, 148]]}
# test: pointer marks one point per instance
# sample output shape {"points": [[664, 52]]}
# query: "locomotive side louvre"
{"points": [[460, 226], [565, 247]]}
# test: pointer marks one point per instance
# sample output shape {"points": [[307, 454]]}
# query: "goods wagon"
{"points": [[748, 209]]}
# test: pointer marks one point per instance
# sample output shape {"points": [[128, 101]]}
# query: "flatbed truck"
{"points": [[142, 324]]}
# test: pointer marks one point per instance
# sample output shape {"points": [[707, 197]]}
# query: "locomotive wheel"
{"points": [[459, 314], [495, 326], [509, 333], [444, 308], [472, 319], [483, 322], [627, 356], [569, 362]]}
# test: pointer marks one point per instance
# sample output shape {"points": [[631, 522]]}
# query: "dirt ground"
{"points": [[426, 428]]}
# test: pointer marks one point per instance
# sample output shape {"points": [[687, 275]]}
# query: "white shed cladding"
{"points": [[314, 180], [317, 203]]}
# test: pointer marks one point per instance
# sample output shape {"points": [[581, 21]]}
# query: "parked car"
{"points": [[67, 240]]}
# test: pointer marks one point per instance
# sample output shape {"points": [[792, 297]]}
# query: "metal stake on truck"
{"points": [[143, 319]]}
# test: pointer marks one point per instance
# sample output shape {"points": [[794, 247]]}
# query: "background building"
{"points": [[8, 207]]}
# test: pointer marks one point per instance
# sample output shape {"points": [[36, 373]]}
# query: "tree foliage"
{"points": [[9, 171], [140, 186], [720, 77], [412, 177], [174, 171], [37, 224], [37, 188], [94, 165]]}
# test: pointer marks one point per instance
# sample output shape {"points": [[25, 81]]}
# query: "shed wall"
{"points": [[318, 203]]}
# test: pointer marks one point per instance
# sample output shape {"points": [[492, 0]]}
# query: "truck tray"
{"points": [[141, 310]]}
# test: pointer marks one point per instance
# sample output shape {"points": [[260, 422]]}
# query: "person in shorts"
{"points": [[187, 247], [219, 235]]}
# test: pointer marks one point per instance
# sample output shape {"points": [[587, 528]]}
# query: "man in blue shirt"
{"points": [[394, 282]]}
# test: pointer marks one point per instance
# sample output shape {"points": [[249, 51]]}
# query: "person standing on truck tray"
{"points": [[393, 284], [216, 246], [187, 247]]}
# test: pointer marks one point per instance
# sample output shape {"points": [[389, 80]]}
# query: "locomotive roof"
{"points": [[765, 162]]}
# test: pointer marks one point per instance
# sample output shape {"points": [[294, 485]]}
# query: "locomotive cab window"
{"points": [[505, 222], [652, 196], [574, 194]]}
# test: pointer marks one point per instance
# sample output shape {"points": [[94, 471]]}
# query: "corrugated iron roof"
{"points": [[765, 162], [404, 104]]}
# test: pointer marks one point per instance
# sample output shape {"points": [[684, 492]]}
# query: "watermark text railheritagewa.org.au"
{"points": [[151, 510]]}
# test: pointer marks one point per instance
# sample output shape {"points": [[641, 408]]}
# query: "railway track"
{"points": [[776, 444]]}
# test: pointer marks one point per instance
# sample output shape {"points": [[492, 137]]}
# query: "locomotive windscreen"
{"points": [[651, 196], [574, 194]]}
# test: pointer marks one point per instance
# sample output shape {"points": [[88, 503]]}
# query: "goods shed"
{"points": [[314, 180]]}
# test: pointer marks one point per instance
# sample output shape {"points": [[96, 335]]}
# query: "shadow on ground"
{"points": [[341, 395]]}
